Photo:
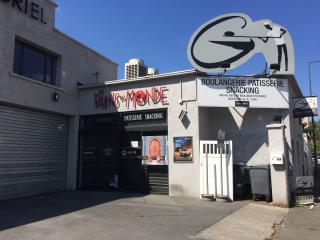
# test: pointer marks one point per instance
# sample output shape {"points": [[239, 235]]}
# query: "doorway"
{"points": [[143, 166], [114, 161], [124, 152], [99, 156], [133, 175]]}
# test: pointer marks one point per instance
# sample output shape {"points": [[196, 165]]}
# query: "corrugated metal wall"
{"points": [[33, 152]]}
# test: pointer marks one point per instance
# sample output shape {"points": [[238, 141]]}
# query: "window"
{"points": [[34, 63]]}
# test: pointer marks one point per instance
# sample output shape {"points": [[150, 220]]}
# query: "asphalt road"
{"points": [[99, 215]]}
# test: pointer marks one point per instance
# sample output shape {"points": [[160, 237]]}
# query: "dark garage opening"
{"points": [[121, 155]]}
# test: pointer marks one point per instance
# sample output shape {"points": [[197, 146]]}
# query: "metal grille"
{"points": [[33, 152], [158, 180], [214, 149]]}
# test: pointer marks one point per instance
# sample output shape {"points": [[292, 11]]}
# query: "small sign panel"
{"points": [[304, 190], [242, 104], [305, 107], [277, 159], [149, 116]]}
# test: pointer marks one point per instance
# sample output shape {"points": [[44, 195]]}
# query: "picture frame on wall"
{"points": [[183, 149], [154, 150]]}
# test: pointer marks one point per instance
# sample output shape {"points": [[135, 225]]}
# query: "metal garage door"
{"points": [[33, 152]]}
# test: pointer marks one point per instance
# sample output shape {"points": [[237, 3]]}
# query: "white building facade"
{"points": [[256, 133], [67, 123]]}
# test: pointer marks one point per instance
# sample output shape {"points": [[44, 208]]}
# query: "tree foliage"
{"points": [[317, 134]]}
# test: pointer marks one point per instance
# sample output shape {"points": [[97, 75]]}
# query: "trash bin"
{"points": [[260, 181], [241, 181]]}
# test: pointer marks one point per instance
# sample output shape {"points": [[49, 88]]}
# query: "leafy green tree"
{"points": [[317, 134]]}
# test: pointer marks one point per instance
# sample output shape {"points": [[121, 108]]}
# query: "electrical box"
{"points": [[277, 159]]}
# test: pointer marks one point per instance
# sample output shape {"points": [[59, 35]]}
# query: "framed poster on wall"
{"points": [[154, 150], [183, 149]]}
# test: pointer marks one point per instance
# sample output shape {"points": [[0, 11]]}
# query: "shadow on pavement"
{"points": [[17, 212]]}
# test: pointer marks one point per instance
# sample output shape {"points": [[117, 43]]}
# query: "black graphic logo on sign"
{"points": [[244, 46], [228, 41]]}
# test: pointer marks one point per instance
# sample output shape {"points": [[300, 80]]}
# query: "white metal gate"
{"points": [[216, 175]]}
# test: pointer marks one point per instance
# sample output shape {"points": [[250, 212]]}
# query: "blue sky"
{"points": [[158, 31]]}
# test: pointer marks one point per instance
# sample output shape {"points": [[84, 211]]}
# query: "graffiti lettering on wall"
{"points": [[131, 98]]}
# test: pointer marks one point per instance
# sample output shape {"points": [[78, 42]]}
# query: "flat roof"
{"points": [[291, 78]]}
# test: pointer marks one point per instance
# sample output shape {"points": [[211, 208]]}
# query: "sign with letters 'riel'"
{"points": [[228, 41], [29, 8], [242, 92]]}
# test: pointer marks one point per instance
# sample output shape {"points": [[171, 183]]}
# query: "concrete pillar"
{"points": [[279, 173], [72, 153]]}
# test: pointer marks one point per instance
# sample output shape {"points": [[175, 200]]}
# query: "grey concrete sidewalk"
{"points": [[111, 216], [301, 223], [254, 221]]}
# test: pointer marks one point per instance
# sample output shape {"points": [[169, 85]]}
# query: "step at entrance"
{"points": [[158, 180]]}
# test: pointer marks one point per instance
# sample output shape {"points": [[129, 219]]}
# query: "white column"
{"points": [[279, 173]]}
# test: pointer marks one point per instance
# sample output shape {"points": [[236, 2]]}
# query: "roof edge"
{"points": [[291, 78], [53, 3], [83, 45], [294, 83], [140, 79]]}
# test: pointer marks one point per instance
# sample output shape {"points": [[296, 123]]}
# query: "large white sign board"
{"points": [[242, 92], [228, 41]]}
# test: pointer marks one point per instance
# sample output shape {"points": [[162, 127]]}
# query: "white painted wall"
{"points": [[245, 127], [184, 178], [295, 147]]}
